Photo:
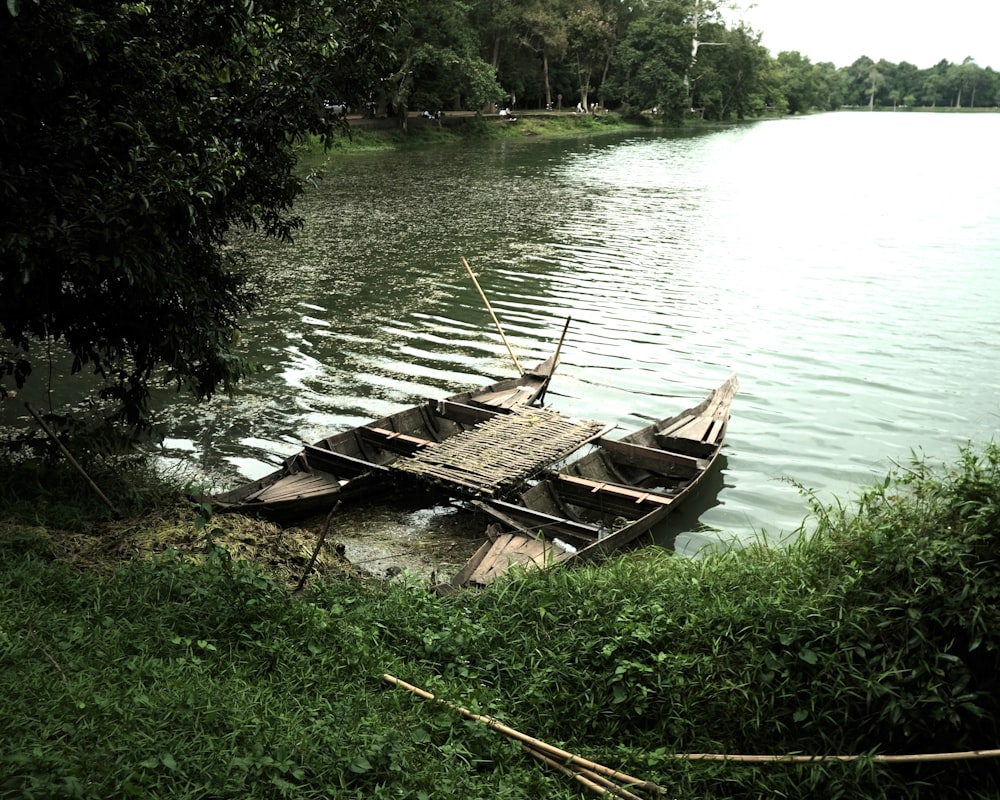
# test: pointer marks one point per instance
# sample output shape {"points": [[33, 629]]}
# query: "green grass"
{"points": [[174, 678], [457, 130]]}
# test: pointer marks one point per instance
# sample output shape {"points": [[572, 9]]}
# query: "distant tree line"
{"points": [[679, 57]]}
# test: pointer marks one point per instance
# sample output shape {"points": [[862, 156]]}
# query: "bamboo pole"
{"points": [[496, 322], [555, 361], [877, 758], [72, 460], [591, 780], [315, 553], [588, 778], [568, 759]]}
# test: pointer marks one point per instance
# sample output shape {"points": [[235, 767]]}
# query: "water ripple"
{"points": [[853, 293]]}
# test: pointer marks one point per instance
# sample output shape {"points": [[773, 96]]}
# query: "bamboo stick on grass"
{"points": [[567, 758], [596, 783], [877, 758]]}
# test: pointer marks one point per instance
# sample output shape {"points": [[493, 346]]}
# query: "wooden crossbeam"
{"points": [[663, 462], [468, 413], [394, 440], [637, 496], [320, 458]]}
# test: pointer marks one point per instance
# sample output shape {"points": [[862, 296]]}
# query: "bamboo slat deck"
{"points": [[501, 453]]}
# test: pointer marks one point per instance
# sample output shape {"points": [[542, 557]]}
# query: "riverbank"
{"points": [[366, 134], [198, 673]]}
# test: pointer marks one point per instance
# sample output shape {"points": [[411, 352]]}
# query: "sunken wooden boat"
{"points": [[605, 500], [357, 463]]}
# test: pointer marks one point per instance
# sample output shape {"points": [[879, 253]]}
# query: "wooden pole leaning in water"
{"points": [[567, 759], [555, 361], [72, 460], [489, 308]]}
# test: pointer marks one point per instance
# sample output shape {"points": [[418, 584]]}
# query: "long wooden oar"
{"points": [[496, 322], [567, 759]]}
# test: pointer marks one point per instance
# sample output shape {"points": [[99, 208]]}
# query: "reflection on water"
{"points": [[843, 265]]}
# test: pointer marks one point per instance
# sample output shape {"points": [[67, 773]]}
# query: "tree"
{"points": [[906, 82], [543, 31], [652, 59], [798, 82], [135, 139], [966, 79], [936, 85], [592, 30], [831, 82], [735, 79], [438, 63]]}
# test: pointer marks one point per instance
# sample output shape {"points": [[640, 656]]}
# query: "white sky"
{"points": [[841, 31]]}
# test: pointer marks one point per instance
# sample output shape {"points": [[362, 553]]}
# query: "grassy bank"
{"points": [[374, 135], [197, 674]]}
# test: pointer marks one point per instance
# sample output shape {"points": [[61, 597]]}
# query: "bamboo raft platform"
{"points": [[501, 453]]}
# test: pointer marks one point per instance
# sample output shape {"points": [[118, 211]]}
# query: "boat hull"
{"points": [[606, 500], [356, 463]]}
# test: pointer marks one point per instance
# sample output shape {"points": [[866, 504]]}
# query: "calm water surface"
{"points": [[845, 266]]}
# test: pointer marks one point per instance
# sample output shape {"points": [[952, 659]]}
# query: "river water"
{"points": [[846, 266]]}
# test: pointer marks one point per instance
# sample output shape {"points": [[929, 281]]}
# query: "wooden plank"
{"points": [[636, 496], [462, 577], [532, 522], [660, 461], [465, 413], [516, 550], [695, 429], [299, 485], [684, 446], [320, 457], [402, 443], [618, 501], [678, 423]]}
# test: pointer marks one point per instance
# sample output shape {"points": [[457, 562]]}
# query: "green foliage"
{"points": [[136, 137], [42, 487], [878, 633], [652, 60]]}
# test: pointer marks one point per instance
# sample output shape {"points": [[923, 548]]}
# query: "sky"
{"points": [[917, 31]]}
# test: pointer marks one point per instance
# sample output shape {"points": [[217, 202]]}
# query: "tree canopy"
{"points": [[135, 138]]}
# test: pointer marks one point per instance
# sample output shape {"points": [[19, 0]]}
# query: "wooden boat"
{"points": [[605, 500], [357, 462]]}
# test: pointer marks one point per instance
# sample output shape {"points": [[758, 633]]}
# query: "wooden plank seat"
{"points": [[470, 413], [624, 501], [663, 462], [338, 463], [508, 398], [395, 441], [515, 550], [696, 429], [688, 447], [534, 522], [677, 424]]}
